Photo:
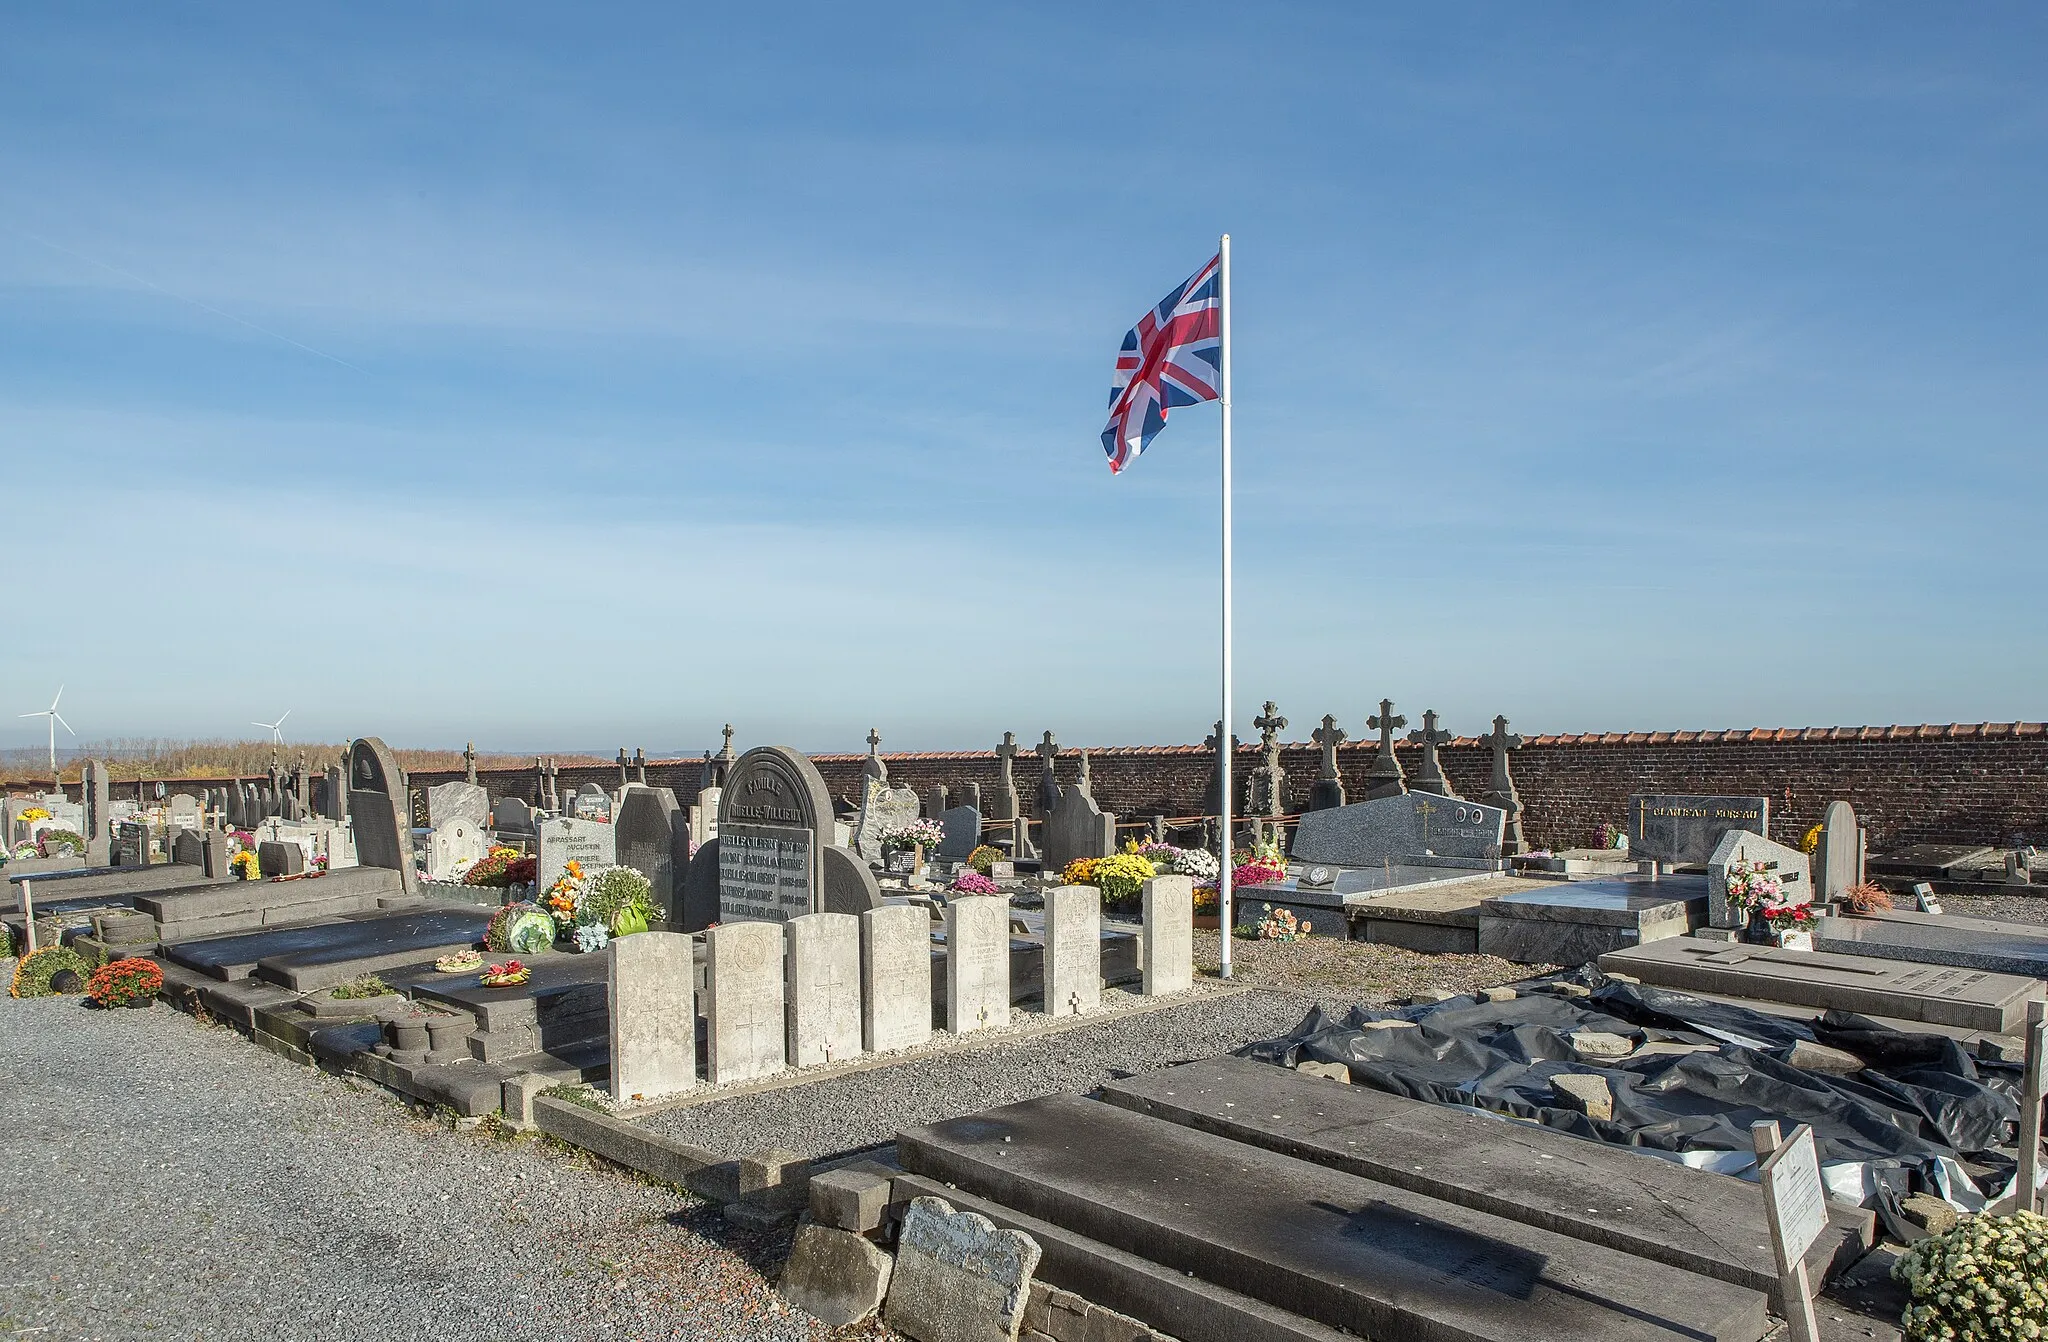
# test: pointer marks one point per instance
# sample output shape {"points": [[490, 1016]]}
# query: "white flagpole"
{"points": [[1224, 921]]}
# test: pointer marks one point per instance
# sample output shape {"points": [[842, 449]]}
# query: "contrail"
{"points": [[168, 293]]}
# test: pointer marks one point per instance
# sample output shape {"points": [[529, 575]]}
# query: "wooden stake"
{"points": [[1795, 1296]]}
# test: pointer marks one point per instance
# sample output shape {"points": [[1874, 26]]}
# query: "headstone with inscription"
{"points": [[1404, 825], [653, 1015], [1073, 950], [591, 844], [704, 817], [883, 808], [977, 963], [743, 1001], [453, 848], [774, 821], [1166, 958], [183, 810], [822, 969], [895, 977], [1685, 830]]}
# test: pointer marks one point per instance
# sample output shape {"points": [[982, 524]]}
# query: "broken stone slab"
{"points": [[1583, 1093], [1669, 1213], [1341, 1250], [1932, 1214], [1808, 1056], [958, 1278], [835, 1275], [1598, 1046], [776, 1179], [1432, 996], [1329, 1071], [1664, 1048], [1497, 994]]}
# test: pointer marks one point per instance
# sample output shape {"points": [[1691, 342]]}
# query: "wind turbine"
{"points": [[55, 717], [276, 736]]}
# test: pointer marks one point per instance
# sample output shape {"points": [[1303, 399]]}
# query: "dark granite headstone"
{"points": [[1077, 828], [850, 885], [376, 805], [645, 838], [963, 831], [274, 858], [774, 821], [700, 891], [1685, 830]]}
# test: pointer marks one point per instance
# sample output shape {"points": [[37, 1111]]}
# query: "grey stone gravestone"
{"points": [[957, 1277], [278, 858], [1047, 751], [592, 844], [1430, 777], [1838, 861], [774, 821], [882, 809], [850, 884], [458, 801], [95, 796], [1405, 825], [183, 810], [337, 794], [743, 1001], [977, 963], [822, 969], [376, 798], [1077, 828], [963, 831], [1501, 791], [644, 838], [188, 848], [652, 1001], [1073, 950], [895, 977], [700, 890], [1385, 779], [1789, 865], [1166, 957], [1685, 830], [214, 859], [935, 800], [512, 816], [593, 803]]}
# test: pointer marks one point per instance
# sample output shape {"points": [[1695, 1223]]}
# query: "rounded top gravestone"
{"points": [[376, 792], [774, 822], [774, 785]]}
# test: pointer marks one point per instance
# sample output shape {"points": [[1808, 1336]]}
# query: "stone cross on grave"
{"points": [[623, 762], [550, 800], [1502, 791], [872, 766], [469, 763], [1047, 751], [726, 754], [1006, 784], [1269, 780], [1328, 793], [1430, 777], [1086, 782], [1385, 779]]}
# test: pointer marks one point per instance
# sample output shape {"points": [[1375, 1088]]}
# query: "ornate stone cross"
{"points": [[1047, 751], [1385, 780], [1502, 792], [1006, 754], [872, 766], [1430, 777], [1329, 736]]}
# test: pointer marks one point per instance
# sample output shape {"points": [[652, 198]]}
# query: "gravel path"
{"points": [[169, 1179], [865, 1108], [1341, 974]]}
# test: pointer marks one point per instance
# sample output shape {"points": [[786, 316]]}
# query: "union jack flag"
{"points": [[1173, 356]]}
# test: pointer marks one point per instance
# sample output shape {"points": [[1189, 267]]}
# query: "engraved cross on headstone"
{"points": [[1430, 777], [1385, 780]]}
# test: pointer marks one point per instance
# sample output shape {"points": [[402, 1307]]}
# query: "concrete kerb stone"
{"points": [[673, 1162]]}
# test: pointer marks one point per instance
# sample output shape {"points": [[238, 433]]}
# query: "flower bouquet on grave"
{"points": [[1980, 1279], [509, 974], [917, 834], [565, 896], [460, 962], [245, 866], [33, 814], [491, 870], [1281, 925], [618, 899], [984, 858], [592, 937], [133, 982], [1791, 925], [974, 883], [1122, 876]]}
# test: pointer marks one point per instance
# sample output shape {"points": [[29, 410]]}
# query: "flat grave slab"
{"points": [[1939, 995], [218, 899], [1581, 921], [1928, 861], [1706, 1223], [366, 945], [1349, 1252], [1439, 914], [82, 881], [235, 957], [1936, 939]]}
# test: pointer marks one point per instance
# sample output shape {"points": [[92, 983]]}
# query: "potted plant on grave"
{"points": [[1791, 925], [245, 866], [984, 858], [133, 982], [913, 838], [619, 901]]}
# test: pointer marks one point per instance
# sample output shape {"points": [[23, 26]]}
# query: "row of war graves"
{"points": [[1326, 1211]]}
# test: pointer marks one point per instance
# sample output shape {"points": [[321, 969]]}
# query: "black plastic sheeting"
{"points": [[1920, 1097]]}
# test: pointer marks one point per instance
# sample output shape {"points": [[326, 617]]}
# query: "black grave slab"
{"points": [[187, 904], [1706, 1223], [83, 881], [1937, 939], [367, 945], [564, 1005], [1353, 1253], [408, 936], [1569, 924]]}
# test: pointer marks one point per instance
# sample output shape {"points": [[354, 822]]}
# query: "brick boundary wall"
{"points": [[1970, 783]]}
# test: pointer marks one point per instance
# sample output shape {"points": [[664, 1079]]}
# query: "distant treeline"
{"points": [[130, 758]]}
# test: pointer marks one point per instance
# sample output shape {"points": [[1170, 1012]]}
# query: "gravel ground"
{"points": [[169, 1179], [1999, 908], [862, 1109], [1340, 974]]}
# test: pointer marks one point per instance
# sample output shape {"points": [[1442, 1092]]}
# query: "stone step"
{"points": [[1183, 1307], [1343, 1251], [1868, 985], [1706, 1223], [322, 954], [129, 882], [226, 899]]}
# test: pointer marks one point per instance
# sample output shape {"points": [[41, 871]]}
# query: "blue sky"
{"points": [[561, 377]]}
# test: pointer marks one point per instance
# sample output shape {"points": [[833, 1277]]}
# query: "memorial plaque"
{"points": [[766, 873], [774, 816], [1797, 1201], [591, 844], [1686, 830]]}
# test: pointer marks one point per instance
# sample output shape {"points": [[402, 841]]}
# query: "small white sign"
{"points": [[1794, 1194]]}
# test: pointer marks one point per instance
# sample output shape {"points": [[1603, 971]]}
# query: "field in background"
{"points": [[133, 757]]}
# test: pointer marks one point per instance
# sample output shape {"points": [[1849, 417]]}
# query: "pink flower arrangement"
{"points": [[1258, 871], [974, 883]]}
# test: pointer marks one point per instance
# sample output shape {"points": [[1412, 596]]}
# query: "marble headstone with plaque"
{"points": [[774, 822], [591, 844], [1402, 827], [1685, 830]]}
